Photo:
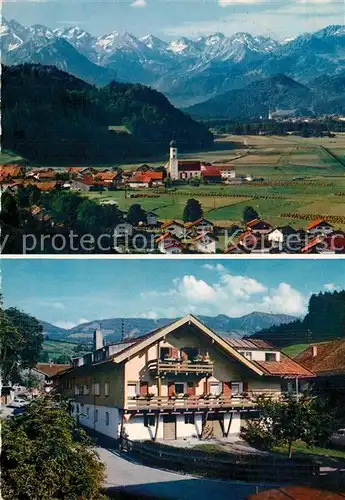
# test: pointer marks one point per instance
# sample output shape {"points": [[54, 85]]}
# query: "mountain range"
{"points": [[114, 328], [186, 71]]}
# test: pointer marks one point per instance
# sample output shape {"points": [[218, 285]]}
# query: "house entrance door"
{"points": [[169, 427]]}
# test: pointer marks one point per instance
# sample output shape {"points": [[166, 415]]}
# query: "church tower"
{"points": [[173, 162]]}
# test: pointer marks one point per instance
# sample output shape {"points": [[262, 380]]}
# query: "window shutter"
{"points": [[144, 388], [171, 388], [245, 387], [227, 388], [174, 352], [191, 389]]}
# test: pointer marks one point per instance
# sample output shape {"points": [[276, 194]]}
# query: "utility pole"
{"points": [[122, 330]]}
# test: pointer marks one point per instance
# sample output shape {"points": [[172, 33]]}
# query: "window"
{"points": [[86, 390], [165, 352], [179, 388], [192, 352], [106, 389], [246, 354], [236, 388], [132, 390], [149, 420], [106, 418], [270, 356], [76, 390], [96, 390], [189, 418], [96, 415], [215, 388]]}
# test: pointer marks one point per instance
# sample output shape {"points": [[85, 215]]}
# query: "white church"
{"points": [[181, 169]]}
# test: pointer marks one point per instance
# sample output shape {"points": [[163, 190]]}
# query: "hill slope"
{"points": [[279, 94], [33, 94], [112, 328]]}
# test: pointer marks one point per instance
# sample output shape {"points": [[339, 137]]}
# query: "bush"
{"points": [[256, 435], [47, 456]]}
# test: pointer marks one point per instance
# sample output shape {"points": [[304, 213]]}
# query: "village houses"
{"points": [[182, 380]]}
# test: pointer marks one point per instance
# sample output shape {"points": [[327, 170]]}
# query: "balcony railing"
{"points": [[191, 402], [176, 366]]}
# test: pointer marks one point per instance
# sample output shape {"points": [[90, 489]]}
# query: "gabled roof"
{"points": [[167, 235], [50, 369], [169, 222], [210, 172], [318, 222], [286, 367], [328, 358], [312, 243], [189, 165], [257, 224], [203, 235], [196, 222], [147, 340]]}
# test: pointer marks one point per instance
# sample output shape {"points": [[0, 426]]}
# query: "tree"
{"points": [[48, 462], [249, 214], [281, 423], [20, 342], [136, 214], [31, 381], [192, 211]]}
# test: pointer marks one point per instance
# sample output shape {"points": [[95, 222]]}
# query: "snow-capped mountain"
{"points": [[186, 70]]}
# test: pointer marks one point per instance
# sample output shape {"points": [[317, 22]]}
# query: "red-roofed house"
{"points": [[211, 174], [199, 226], [320, 226], [175, 228], [168, 243], [181, 380], [227, 172], [204, 243], [146, 179]]}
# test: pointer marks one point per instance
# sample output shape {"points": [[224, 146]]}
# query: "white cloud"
{"points": [[229, 294], [58, 305], [67, 325], [227, 3], [218, 267], [139, 4], [286, 300], [83, 320], [149, 315]]}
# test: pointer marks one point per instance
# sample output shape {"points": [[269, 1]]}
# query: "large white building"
{"points": [[181, 169]]}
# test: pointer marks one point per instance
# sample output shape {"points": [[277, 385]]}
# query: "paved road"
{"points": [[136, 478]]}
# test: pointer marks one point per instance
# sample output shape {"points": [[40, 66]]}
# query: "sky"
{"points": [[170, 19], [68, 292]]}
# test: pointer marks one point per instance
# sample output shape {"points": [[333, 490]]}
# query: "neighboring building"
{"points": [[7, 394], [199, 226], [82, 184], [181, 169], [179, 381], [259, 226], [151, 219], [146, 179], [204, 243], [123, 229], [320, 226], [211, 174], [175, 228], [227, 172], [44, 372], [168, 243]]}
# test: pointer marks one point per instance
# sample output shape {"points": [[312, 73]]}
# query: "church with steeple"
{"points": [[181, 169]]}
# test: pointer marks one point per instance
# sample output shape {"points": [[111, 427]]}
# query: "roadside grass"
{"points": [[318, 452]]}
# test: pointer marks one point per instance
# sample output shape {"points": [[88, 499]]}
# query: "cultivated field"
{"points": [[301, 177]]}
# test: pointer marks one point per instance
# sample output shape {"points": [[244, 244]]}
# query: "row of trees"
{"points": [[325, 320]]}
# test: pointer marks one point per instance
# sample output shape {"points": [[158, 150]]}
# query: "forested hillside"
{"points": [[325, 320], [51, 117]]}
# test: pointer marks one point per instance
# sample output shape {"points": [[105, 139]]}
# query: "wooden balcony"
{"points": [[187, 403], [186, 367]]}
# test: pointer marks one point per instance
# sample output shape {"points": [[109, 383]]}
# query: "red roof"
{"points": [[10, 171], [312, 243], [189, 165], [327, 358], [169, 222], [224, 167], [296, 493], [146, 177], [51, 369], [318, 222], [285, 367], [202, 235], [166, 235], [196, 222], [210, 172]]}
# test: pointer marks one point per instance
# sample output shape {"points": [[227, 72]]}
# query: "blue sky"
{"points": [[67, 292], [173, 18]]}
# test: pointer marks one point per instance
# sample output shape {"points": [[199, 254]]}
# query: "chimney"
{"points": [[314, 350], [98, 341]]}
